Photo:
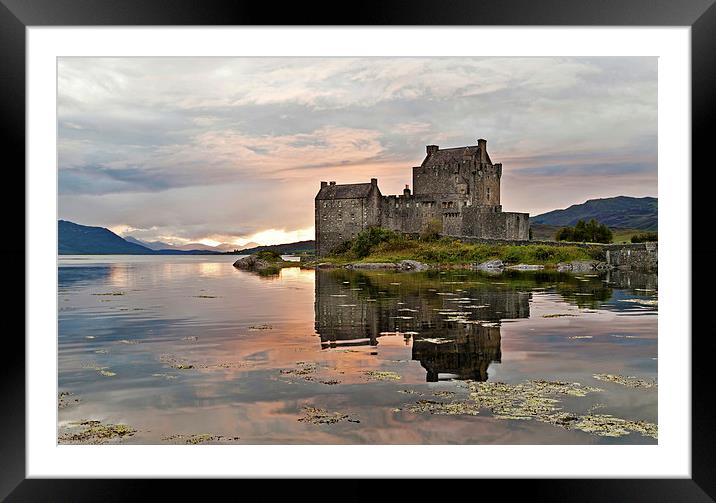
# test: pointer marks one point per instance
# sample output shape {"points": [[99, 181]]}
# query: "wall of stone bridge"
{"points": [[627, 257]]}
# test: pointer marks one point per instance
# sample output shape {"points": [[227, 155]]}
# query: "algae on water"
{"points": [[94, 432], [315, 415], [197, 439], [538, 400], [629, 381], [377, 375]]}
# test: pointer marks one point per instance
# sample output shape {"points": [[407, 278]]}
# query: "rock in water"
{"points": [[250, 263], [373, 265], [412, 265], [490, 265], [577, 266]]}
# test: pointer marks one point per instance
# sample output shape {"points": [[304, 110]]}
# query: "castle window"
{"points": [[325, 205], [488, 193], [339, 204]]}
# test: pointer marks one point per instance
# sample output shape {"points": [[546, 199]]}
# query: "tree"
{"points": [[592, 232]]}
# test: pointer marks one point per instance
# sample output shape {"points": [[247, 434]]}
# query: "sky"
{"points": [[232, 150]]}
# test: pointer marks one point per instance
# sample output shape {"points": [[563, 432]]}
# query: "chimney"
{"points": [[406, 190], [483, 149], [323, 184], [431, 149], [333, 183], [374, 181]]}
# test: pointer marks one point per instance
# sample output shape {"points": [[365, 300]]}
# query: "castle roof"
{"points": [[453, 155], [345, 191]]}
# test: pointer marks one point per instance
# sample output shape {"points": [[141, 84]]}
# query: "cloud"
{"points": [[227, 147]]}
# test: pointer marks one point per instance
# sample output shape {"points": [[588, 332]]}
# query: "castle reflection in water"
{"points": [[452, 321]]}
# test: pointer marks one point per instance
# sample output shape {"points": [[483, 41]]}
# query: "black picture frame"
{"points": [[700, 15]]}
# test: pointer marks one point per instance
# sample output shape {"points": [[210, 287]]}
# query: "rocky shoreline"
{"points": [[488, 266], [273, 264]]}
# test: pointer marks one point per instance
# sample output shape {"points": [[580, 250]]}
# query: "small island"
{"points": [[266, 262], [379, 248]]}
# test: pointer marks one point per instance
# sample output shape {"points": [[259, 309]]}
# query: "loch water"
{"points": [[182, 347]]}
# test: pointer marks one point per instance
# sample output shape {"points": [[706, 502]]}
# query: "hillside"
{"points": [[192, 247], [616, 212], [152, 245], [75, 239], [297, 247]]}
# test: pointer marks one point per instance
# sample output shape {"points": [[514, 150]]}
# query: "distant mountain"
{"points": [[199, 246], [75, 239], [297, 247], [152, 245], [159, 245], [618, 212]]}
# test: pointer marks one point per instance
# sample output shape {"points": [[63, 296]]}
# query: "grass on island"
{"points": [[544, 232], [381, 245]]}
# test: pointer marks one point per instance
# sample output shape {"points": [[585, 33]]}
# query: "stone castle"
{"points": [[457, 188]]}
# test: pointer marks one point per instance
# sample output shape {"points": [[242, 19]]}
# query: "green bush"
{"points": [[270, 255], [542, 253], [592, 232], [432, 231], [367, 239], [645, 236], [512, 255], [342, 248]]}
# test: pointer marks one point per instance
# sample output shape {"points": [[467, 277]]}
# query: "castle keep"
{"points": [[457, 187]]}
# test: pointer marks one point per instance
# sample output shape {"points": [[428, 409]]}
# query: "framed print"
{"points": [[255, 243]]}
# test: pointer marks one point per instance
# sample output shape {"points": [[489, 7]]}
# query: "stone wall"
{"points": [[411, 214], [635, 257], [482, 223], [339, 220]]}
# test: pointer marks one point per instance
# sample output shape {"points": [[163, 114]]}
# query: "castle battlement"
{"points": [[457, 187]]}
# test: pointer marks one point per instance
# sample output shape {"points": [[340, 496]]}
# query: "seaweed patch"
{"points": [[315, 415], [197, 439], [94, 432], [445, 408], [377, 375], [537, 400], [629, 381]]}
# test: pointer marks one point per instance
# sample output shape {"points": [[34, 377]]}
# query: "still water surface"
{"points": [[176, 346]]}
